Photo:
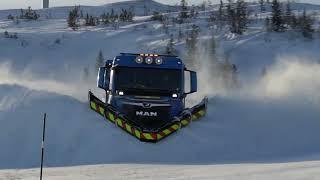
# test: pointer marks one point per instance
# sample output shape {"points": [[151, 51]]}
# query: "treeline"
{"points": [[76, 18], [234, 14], [284, 19]]}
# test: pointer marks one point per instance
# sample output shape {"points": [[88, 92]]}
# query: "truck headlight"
{"points": [[121, 93], [149, 60], [174, 95], [159, 60]]}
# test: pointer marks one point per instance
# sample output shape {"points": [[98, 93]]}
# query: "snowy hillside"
{"points": [[265, 127], [138, 6]]}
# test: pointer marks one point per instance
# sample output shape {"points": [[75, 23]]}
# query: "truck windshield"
{"points": [[147, 80]]}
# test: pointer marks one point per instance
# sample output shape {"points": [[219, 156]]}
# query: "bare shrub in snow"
{"points": [[10, 17], [157, 16], [57, 41], [10, 35], [86, 73]]}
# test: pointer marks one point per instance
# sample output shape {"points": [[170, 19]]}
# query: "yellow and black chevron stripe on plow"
{"points": [[99, 109], [143, 136], [198, 114], [185, 122], [127, 127], [168, 131]]}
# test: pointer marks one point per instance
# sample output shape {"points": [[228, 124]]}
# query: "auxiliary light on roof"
{"points": [[139, 60], [159, 60], [149, 60]]}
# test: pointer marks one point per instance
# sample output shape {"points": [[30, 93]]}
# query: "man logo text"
{"points": [[150, 114]]}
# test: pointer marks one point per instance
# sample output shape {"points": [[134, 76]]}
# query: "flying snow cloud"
{"points": [[291, 77], [296, 78], [27, 79]]}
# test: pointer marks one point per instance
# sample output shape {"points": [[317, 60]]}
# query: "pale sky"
{"points": [[17, 4]]}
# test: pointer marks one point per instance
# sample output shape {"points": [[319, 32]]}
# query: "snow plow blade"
{"points": [[185, 118]]}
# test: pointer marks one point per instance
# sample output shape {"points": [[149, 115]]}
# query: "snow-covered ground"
{"points": [[298, 170], [266, 128]]}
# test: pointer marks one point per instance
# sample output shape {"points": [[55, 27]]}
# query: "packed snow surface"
{"points": [[265, 128]]}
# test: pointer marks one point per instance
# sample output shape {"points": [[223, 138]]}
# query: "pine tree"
{"points": [[221, 11], [6, 34], [277, 20], [237, 16], [242, 17], [87, 20], [112, 16], [288, 16], [211, 47], [203, 6], [180, 34], [193, 11], [262, 6], [99, 60], [268, 25], [183, 11], [191, 42], [81, 14], [170, 46], [305, 23], [230, 10]]}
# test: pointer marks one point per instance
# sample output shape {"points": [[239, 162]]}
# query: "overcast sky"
{"points": [[16, 4]]}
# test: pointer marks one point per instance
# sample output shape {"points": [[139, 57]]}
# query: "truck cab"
{"points": [[148, 89]]}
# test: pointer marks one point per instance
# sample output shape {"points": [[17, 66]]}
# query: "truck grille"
{"points": [[147, 115]]}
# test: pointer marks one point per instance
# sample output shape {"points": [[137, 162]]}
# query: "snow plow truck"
{"points": [[146, 95]]}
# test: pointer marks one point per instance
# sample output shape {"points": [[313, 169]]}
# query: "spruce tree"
{"points": [[211, 47], [288, 16], [305, 23], [277, 17], [170, 46], [221, 11], [242, 17], [268, 25], [183, 11], [191, 42], [262, 6]]}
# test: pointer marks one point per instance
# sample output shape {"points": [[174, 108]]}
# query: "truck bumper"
{"points": [[115, 117]]}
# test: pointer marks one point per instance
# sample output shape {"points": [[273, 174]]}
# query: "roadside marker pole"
{"points": [[42, 143]]}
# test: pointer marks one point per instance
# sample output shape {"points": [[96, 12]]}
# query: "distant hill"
{"points": [[140, 7]]}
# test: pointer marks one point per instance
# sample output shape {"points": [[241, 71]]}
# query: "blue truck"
{"points": [[146, 93]]}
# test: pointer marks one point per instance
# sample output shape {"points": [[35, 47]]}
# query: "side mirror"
{"points": [[102, 81], [193, 82]]}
